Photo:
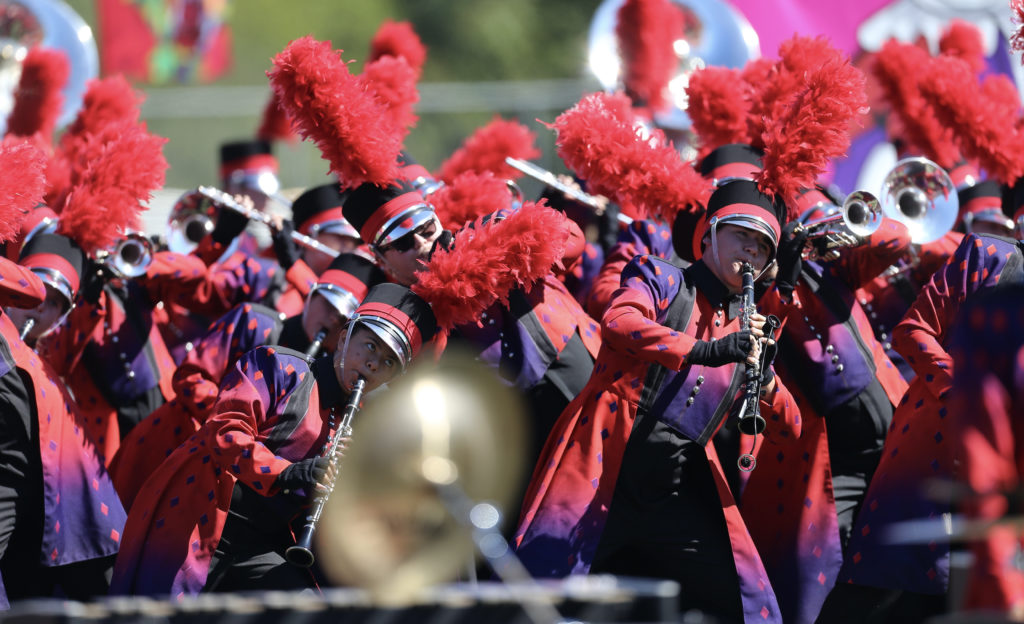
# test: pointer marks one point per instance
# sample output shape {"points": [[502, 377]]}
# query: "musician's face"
{"points": [[736, 246], [405, 256], [319, 314], [367, 357], [46, 315]]}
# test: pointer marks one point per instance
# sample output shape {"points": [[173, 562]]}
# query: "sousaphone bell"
{"points": [[920, 194]]}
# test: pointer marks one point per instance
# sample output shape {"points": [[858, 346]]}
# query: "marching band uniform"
{"points": [[919, 445], [60, 519], [627, 476], [846, 389], [985, 403], [197, 381], [220, 506]]}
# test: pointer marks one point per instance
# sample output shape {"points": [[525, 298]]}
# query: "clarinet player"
{"points": [[219, 515]]}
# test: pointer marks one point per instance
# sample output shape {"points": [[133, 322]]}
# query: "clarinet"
{"points": [[27, 328], [301, 554], [750, 420], [318, 341]]}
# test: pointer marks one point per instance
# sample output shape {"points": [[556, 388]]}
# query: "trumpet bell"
{"points": [[190, 220], [920, 194], [131, 256], [862, 213]]}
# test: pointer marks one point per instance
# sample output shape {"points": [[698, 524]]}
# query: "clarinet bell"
{"points": [[752, 425], [301, 554]]}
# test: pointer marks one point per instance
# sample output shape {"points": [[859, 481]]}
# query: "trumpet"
{"points": [[860, 216], [552, 180], [920, 194], [301, 554], [225, 200], [130, 257]]}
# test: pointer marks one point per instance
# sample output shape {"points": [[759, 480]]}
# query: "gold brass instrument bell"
{"points": [[390, 524], [859, 216]]}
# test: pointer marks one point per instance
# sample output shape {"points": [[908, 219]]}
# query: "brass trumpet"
{"points": [[860, 216], [225, 200], [130, 257]]}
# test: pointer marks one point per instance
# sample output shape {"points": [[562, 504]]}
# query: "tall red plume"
{"points": [[487, 147], [275, 125], [897, 68], [646, 31], [1017, 39], [394, 82], [719, 107], [106, 101], [125, 164], [38, 98], [814, 128], [618, 162], [981, 125], [468, 197], [963, 40], [489, 261], [399, 39], [21, 186], [330, 106], [775, 87]]}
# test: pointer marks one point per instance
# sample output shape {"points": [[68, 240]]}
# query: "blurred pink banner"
{"points": [[777, 20]]}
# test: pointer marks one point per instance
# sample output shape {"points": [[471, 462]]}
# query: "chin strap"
{"points": [[344, 349]]}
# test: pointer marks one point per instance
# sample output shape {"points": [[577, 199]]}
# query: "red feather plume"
{"points": [[896, 68], [487, 147], [468, 197], [617, 161], [646, 31], [21, 186], [332, 107], [963, 40], [814, 128], [398, 39], [125, 164], [981, 125], [106, 101], [275, 124], [38, 98], [394, 82], [719, 107], [489, 261]]}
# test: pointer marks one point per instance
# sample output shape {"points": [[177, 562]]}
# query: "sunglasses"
{"points": [[407, 241]]}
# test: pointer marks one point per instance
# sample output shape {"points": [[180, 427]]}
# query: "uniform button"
{"points": [[835, 358], [700, 379], [818, 336], [873, 315], [829, 349], [863, 301], [189, 346], [718, 323], [883, 336], [810, 327], [839, 368], [131, 374], [695, 391], [689, 402], [122, 356], [807, 319], [113, 339], [887, 346]]}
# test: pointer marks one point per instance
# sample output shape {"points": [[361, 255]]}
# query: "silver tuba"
{"points": [[51, 24], [920, 194], [716, 34]]}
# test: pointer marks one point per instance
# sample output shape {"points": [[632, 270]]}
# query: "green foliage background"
{"points": [[467, 41]]}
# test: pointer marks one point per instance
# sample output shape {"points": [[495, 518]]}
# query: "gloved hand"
{"points": [[284, 245], [445, 241], [791, 247], [94, 278], [229, 225], [303, 475], [734, 347]]}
